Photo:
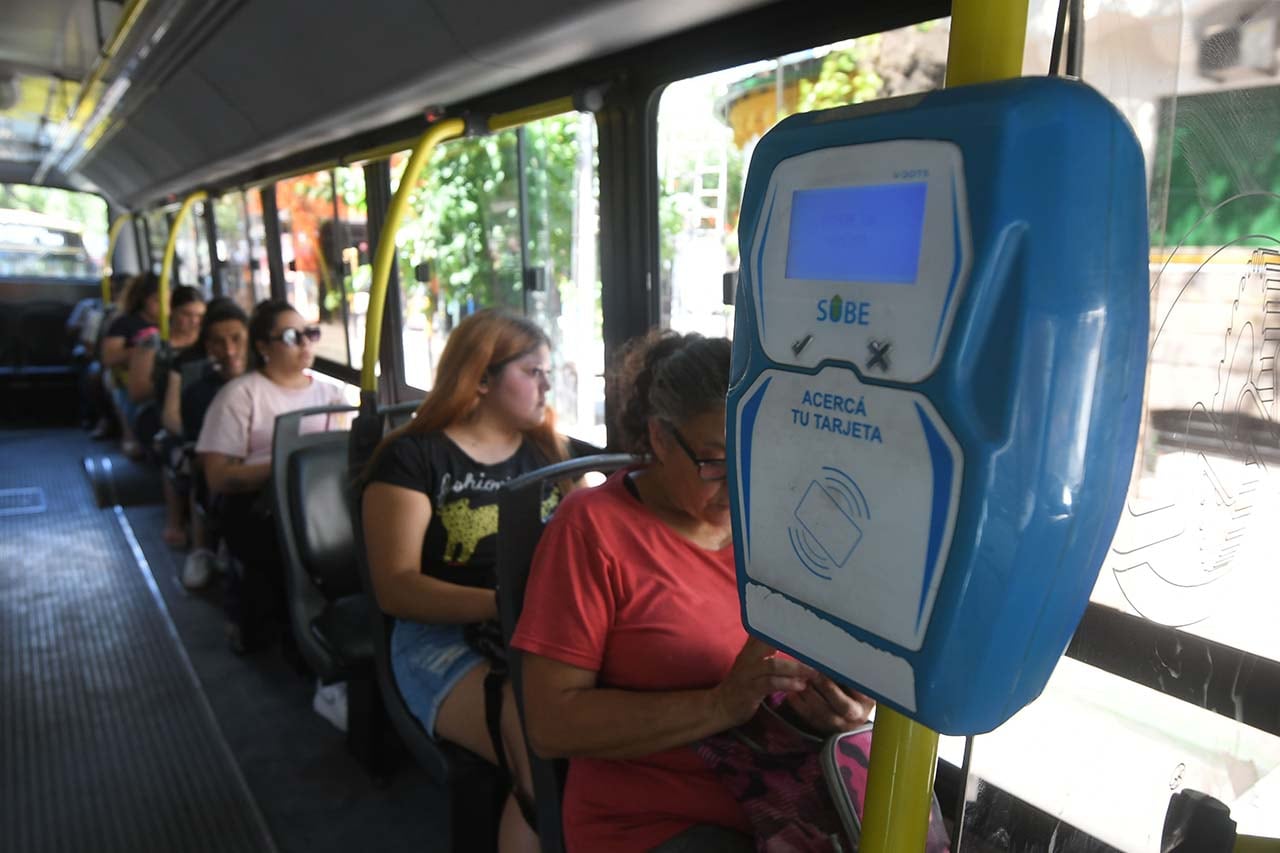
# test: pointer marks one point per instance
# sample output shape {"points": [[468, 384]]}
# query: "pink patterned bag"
{"points": [[845, 760], [802, 793]]}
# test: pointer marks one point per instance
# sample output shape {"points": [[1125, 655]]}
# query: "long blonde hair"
{"points": [[480, 346]]}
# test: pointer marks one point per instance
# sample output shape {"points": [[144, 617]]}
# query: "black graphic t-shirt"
{"points": [[460, 546]]}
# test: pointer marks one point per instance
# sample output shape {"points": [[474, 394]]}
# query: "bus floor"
{"points": [[110, 672]]}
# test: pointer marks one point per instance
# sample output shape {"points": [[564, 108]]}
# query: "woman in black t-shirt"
{"points": [[430, 522]]}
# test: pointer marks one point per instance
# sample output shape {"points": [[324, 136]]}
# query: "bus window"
{"points": [[259, 267], [191, 252], [709, 125], [1194, 553], [158, 237], [234, 257], [51, 233], [312, 237], [344, 240], [459, 250]]}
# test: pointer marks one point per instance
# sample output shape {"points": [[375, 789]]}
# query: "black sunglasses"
{"points": [[709, 470], [293, 337]]}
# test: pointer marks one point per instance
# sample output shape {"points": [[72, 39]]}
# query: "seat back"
{"points": [[520, 525], [313, 523], [366, 432], [42, 334]]}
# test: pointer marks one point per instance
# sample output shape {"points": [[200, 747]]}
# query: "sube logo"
{"points": [[844, 311]]}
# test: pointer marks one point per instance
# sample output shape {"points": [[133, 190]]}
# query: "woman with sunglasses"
{"points": [[634, 643], [234, 449]]}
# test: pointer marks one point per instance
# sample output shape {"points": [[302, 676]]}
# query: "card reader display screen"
{"points": [[867, 233]]}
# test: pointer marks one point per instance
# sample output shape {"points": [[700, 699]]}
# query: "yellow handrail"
{"points": [[166, 270], [987, 40], [107, 267], [386, 249], [450, 128], [515, 118], [381, 152]]}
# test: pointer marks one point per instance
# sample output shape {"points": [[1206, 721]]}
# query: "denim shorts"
{"points": [[428, 661]]}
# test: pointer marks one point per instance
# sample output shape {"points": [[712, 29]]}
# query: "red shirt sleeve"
{"points": [[570, 602]]}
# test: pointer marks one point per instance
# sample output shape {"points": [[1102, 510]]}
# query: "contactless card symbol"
{"points": [[827, 529]]}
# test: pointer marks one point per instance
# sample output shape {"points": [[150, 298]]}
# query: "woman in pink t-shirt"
{"points": [[634, 643], [234, 450]]}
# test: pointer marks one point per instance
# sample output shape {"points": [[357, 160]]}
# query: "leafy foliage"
{"points": [[467, 216]]}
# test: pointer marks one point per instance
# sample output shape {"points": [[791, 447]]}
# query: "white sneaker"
{"points": [[198, 568], [331, 703]]}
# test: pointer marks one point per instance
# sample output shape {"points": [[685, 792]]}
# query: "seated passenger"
{"points": [[234, 449], [186, 311], [86, 326], [220, 355], [134, 324], [631, 623], [148, 374], [430, 518]]}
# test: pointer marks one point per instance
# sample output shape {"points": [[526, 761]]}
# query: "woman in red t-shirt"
{"points": [[631, 624]]}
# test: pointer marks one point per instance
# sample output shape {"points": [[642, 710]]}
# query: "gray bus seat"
{"points": [[520, 523], [328, 610]]}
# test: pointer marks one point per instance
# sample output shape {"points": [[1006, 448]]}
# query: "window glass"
{"points": [[709, 125], [234, 258], [191, 252], [157, 236], [308, 221], [345, 242], [1097, 755], [199, 226], [460, 249], [50, 232], [258, 264]]}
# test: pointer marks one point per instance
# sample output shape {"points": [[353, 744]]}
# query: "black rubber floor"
{"points": [[108, 742]]}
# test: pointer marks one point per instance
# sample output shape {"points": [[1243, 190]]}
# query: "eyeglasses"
{"points": [[709, 470], [293, 337]]}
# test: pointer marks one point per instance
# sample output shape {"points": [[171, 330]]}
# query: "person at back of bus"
{"points": [[136, 323], [634, 642], [431, 522], [234, 449], [186, 313], [148, 376], [85, 328], [197, 375]]}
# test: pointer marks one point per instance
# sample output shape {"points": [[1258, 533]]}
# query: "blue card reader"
{"points": [[938, 367]]}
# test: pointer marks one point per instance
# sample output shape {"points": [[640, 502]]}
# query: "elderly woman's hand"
{"points": [[758, 671], [827, 708]]}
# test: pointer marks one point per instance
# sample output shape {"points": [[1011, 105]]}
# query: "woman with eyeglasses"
{"points": [[634, 642], [430, 513], [234, 449]]}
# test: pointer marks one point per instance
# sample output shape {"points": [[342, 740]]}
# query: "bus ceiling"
{"points": [[149, 98]]}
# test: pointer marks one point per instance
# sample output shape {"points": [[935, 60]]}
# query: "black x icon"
{"points": [[879, 355]]}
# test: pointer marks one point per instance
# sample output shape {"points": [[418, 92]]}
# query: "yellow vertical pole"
{"points": [[904, 756], [987, 42], [166, 270], [385, 253], [107, 267]]}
